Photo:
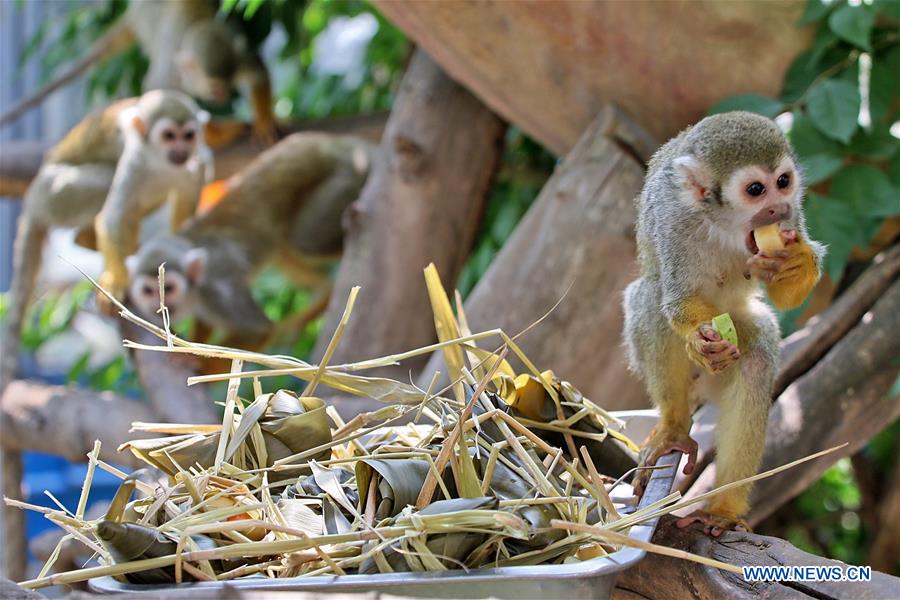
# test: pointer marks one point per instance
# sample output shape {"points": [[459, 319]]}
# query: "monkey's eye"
{"points": [[756, 189], [784, 180], [189, 136], [168, 287], [147, 290], [168, 135]]}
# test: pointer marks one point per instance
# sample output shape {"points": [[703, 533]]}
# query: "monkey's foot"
{"points": [[707, 348], [660, 443], [713, 524]]}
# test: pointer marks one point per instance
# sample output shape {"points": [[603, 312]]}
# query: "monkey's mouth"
{"points": [[751, 243]]}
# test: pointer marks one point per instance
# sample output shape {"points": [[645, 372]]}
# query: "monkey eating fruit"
{"points": [[714, 198], [111, 170]]}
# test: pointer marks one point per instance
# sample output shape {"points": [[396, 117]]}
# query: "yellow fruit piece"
{"points": [[768, 238], [724, 326]]}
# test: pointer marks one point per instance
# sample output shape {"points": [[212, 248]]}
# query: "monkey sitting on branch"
{"points": [[709, 195], [115, 167], [285, 207], [190, 48]]}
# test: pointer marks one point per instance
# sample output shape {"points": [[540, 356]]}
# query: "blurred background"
{"points": [[830, 79]]}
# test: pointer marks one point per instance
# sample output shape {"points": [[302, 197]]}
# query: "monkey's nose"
{"points": [[771, 214]]}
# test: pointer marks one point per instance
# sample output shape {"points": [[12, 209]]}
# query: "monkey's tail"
{"points": [[26, 263], [118, 37]]}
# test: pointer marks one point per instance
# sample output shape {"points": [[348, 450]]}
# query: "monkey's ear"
{"points": [[138, 123], [195, 264], [695, 177]]}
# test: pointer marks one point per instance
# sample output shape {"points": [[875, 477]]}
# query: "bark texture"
{"points": [[549, 71], [422, 203], [661, 578], [578, 233]]}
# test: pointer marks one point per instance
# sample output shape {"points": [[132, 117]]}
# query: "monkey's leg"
{"points": [[657, 354], [184, 201], [668, 378], [741, 430]]}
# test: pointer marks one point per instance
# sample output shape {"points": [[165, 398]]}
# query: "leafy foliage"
{"points": [[526, 167], [842, 96]]}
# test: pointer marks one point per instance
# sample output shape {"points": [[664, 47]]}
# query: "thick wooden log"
{"points": [[549, 67], [578, 233], [65, 421], [661, 578], [421, 204]]}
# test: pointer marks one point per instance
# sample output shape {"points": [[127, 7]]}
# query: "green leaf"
{"points": [[834, 223], [755, 103], [867, 189], [815, 10], [853, 24], [893, 170], [884, 84], [877, 143], [820, 157], [888, 8], [833, 107], [807, 66]]}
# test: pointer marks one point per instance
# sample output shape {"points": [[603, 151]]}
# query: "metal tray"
{"points": [[592, 579]]}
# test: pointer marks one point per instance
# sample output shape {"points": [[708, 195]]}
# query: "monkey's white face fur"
{"points": [[178, 287], [748, 198], [173, 142]]}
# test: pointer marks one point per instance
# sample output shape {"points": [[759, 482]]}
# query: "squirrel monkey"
{"points": [[705, 192], [191, 48], [285, 206], [112, 169]]}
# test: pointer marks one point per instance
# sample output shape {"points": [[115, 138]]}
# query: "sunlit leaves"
{"points": [[833, 107], [820, 157], [867, 189], [835, 223], [853, 24]]}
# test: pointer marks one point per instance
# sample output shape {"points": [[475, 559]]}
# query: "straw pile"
{"points": [[499, 469]]}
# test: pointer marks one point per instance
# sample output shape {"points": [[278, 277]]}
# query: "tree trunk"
{"points": [[661, 578], [578, 233], [422, 203]]}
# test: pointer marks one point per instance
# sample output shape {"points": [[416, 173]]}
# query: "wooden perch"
{"points": [[422, 203], [661, 577], [801, 350], [578, 233], [65, 421], [20, 160]]}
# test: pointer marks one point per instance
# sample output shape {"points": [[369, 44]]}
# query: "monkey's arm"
{"points": [[255, 77], [799, 273], [118, 224], [686, 314]]}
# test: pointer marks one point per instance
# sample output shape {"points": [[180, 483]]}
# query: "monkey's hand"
{"points": [[116, 288], [714, 524], [791, 274], [707, 348], [662, 441]]}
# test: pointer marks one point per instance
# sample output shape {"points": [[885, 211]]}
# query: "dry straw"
{"points": [[285, 488]]}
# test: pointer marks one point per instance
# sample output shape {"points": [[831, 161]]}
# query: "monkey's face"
{"points": [[758, 196], [179, 285], [145, 294], [175, 142]]}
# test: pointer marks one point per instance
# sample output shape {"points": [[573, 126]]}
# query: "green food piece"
{"points": [[725, 327]]}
